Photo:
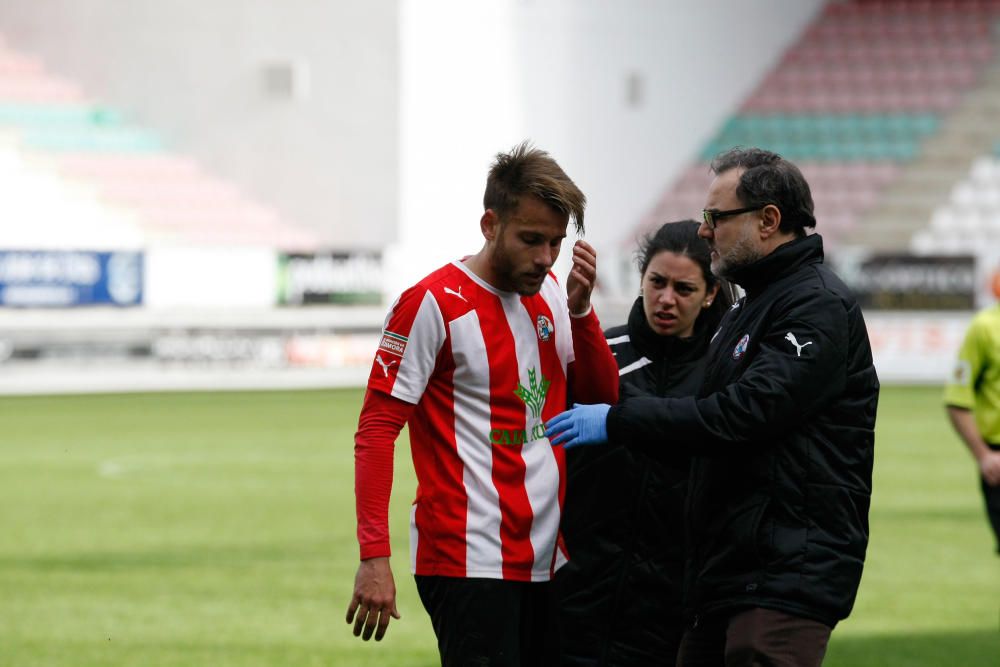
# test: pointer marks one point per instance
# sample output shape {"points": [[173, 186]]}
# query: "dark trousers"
{"points": [[754, 637], [991, 494], [490, 622]]}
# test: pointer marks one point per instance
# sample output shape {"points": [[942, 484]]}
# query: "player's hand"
{"points": [[582, 277], [581, 425], [374, 599], [989, 466]]}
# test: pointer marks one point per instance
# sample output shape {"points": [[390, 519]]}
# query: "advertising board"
{"points": [[66, 279]]}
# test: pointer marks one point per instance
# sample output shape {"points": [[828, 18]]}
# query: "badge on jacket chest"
{"points": [[741, 347]]}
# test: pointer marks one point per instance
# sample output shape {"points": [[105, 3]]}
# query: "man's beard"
{"points": [[512, 281], [742, 254]]}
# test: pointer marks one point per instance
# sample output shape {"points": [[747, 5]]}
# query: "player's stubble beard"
{"points": [[506, 271]]}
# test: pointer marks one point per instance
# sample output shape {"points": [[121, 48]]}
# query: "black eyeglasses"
{"points": [[711, 216]]}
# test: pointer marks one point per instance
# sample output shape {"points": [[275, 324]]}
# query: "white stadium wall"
{"points": [[296, 101]]}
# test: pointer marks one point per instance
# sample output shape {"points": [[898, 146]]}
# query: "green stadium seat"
{"points": [[112, 139], [69, 127], [826, 137], [46, 116]]}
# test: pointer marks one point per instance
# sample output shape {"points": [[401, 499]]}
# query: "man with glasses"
{"points": [[781, 431]]}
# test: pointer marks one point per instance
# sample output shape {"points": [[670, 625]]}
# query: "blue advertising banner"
{"points": [[64, 279]]}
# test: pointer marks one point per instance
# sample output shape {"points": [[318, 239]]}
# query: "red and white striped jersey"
{"points": [[485, 369]]}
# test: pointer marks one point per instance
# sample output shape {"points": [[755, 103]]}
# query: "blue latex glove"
{"points": [[581, 425]]}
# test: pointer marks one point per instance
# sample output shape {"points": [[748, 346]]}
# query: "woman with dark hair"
{"points": [[619, 597]]}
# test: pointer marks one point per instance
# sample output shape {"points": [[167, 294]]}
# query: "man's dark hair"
{"points": [[681, 238], [769, 178], [527, 170]]}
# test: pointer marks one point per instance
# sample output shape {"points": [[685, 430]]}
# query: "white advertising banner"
{"points": [[915, 347]]}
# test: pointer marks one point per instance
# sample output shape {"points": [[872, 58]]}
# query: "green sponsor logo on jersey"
{"points": [[534, 395], [507, 436]]}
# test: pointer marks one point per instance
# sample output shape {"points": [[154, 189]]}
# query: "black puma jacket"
{"points": [[782, 438], [619, 597]]}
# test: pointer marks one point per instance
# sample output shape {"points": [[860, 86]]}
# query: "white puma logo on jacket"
{"points": [[790, 337]]}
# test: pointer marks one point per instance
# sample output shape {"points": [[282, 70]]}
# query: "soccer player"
{"points": [[972, 398], [475, 357], [781, 432]]}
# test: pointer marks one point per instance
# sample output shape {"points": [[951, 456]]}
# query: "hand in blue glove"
{"points": [[581, 425]]}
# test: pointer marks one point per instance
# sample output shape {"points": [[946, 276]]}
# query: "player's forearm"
{"points": [[382, 418], [594, 373], [372, 489]]}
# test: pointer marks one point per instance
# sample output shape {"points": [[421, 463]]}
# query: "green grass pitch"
{"points": [[218, 529]]}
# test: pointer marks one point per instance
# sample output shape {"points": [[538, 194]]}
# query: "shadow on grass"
{"points": [[965, 649]]}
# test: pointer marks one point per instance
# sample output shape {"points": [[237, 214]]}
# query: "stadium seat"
{"points": [[107, 183], [859, 94]]}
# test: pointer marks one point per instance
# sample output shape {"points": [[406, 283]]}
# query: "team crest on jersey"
{"points": [[543, 326], [960, 374], [741, 347], [392, 343]]}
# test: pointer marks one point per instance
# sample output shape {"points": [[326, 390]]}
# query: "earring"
{"points": [[708, 303]]}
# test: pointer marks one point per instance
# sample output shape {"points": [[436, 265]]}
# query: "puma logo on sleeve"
{"points": [[385, 366], [790, 337]]}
